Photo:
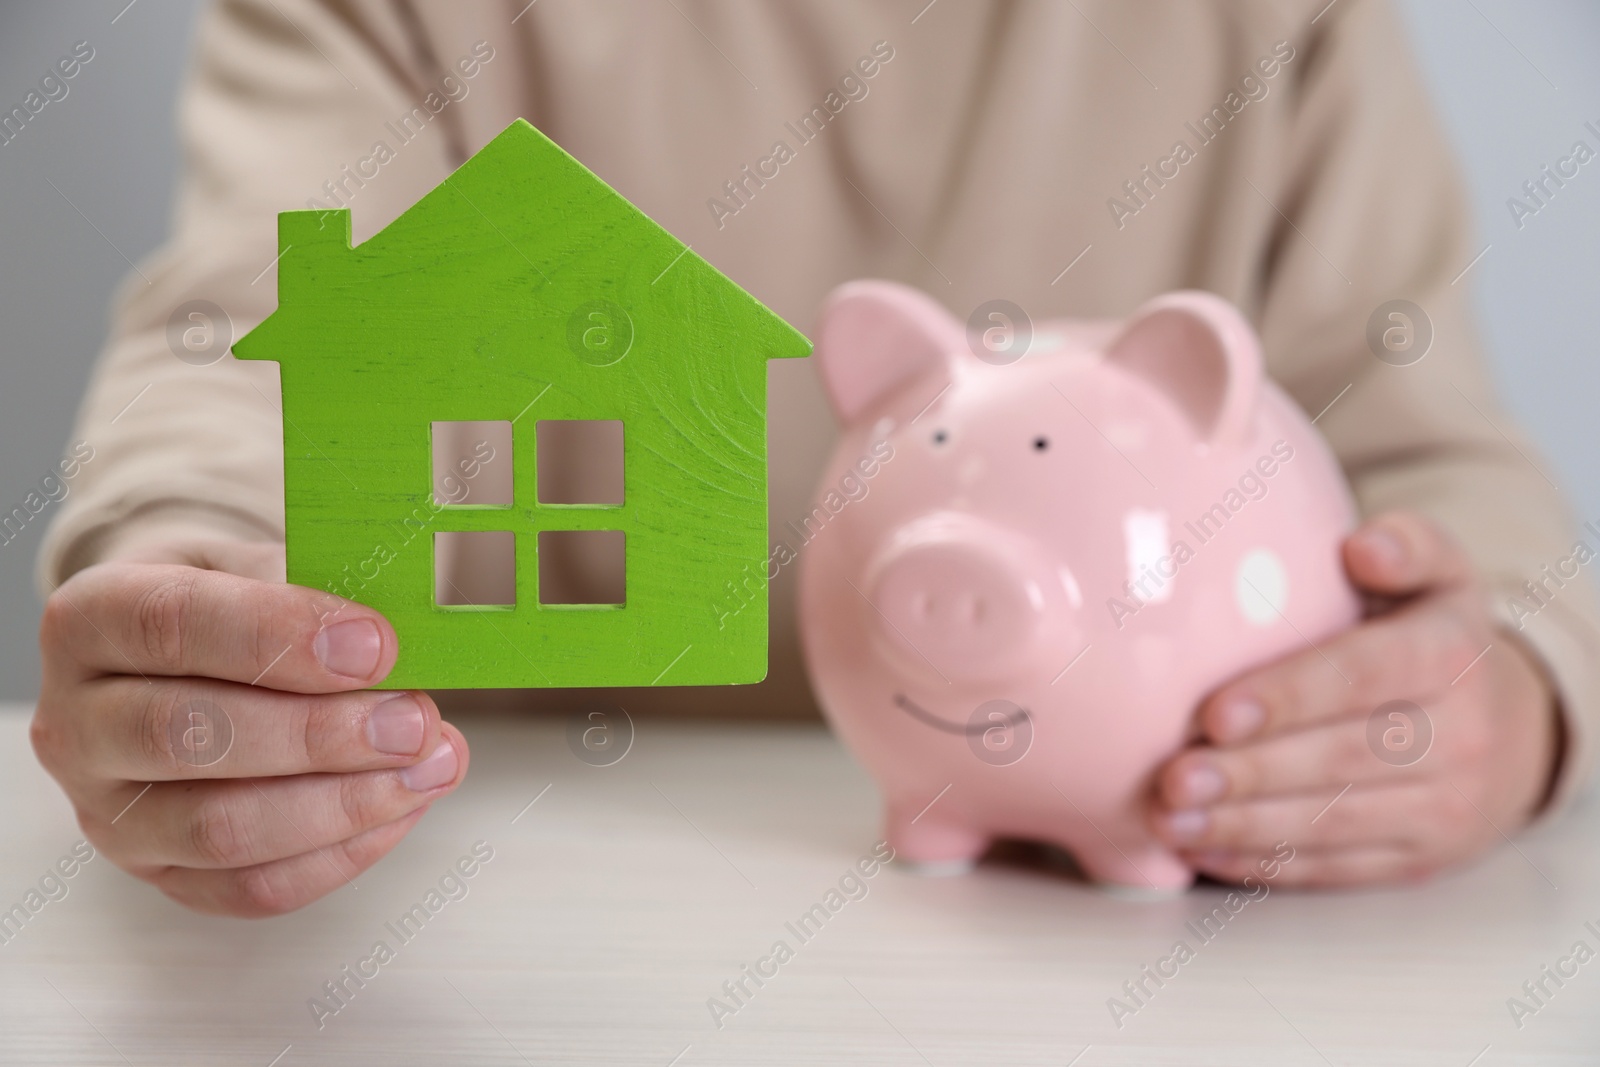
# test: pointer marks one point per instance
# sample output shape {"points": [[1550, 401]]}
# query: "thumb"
{"points": [[1401, 553]]}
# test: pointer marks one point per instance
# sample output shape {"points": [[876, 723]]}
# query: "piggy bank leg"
{"points": [[929, 845], [1135, 872]]}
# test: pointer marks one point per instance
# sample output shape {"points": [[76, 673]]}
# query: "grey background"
{"points": [[1514, 81]]}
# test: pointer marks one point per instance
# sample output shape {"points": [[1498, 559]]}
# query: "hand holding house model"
{"points": [[525, 291]]}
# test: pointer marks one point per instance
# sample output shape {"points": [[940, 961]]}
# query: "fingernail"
{"points": [[1386, 546], [350, 648], [1239, 718], [1188, 824], [396, 726], [1203, 784], [436, 770]]}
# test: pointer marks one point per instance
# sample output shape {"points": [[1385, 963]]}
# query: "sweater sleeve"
{"points": [[285, 106], [1371, 212]]}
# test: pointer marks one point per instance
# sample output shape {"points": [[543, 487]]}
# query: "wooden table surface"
{"points": [[616, 906]]}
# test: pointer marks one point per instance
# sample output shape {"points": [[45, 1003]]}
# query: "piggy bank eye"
{"points": [[940, 437], [1040, 444]]}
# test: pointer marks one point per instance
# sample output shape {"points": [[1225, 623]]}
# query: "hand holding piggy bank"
{"points": [[1061, 554]]}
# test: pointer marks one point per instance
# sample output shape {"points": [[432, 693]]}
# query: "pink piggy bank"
{"points": [[1023, 574]]}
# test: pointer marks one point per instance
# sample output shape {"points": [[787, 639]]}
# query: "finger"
{"points": [[286, 884], [1410, 653], [1349, 816], [152, 619], [1361, 865], [165, 729], [1401, 553], [1306, 761], [243, 822]]}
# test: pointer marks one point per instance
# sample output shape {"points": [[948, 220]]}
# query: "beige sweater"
{"points": [[974, 149]]}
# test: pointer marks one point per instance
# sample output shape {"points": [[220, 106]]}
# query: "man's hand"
{"points": [[1282, 742], [297, 784]]}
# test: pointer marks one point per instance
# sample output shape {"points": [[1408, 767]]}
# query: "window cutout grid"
{"points": [[475, 569], [471, 465], [583, 567], [579, 461]]}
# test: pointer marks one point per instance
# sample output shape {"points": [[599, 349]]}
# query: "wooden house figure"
{"points": [[526, 297]]}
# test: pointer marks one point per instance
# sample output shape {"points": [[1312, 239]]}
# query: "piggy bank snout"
{"points": [[971, 604]]}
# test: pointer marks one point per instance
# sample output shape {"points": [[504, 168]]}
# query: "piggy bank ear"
{"points": [[877, 336], [1198, 350]]}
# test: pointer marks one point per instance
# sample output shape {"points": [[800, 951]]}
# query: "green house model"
{"points": [[525, 305]]}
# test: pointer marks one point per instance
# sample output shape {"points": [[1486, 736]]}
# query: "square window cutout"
{"points": [[583, 567], [471, 464], [475, 568], [579, 461]]}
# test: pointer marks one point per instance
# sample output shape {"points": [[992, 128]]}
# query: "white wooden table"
{"points": [[620, 902]]}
